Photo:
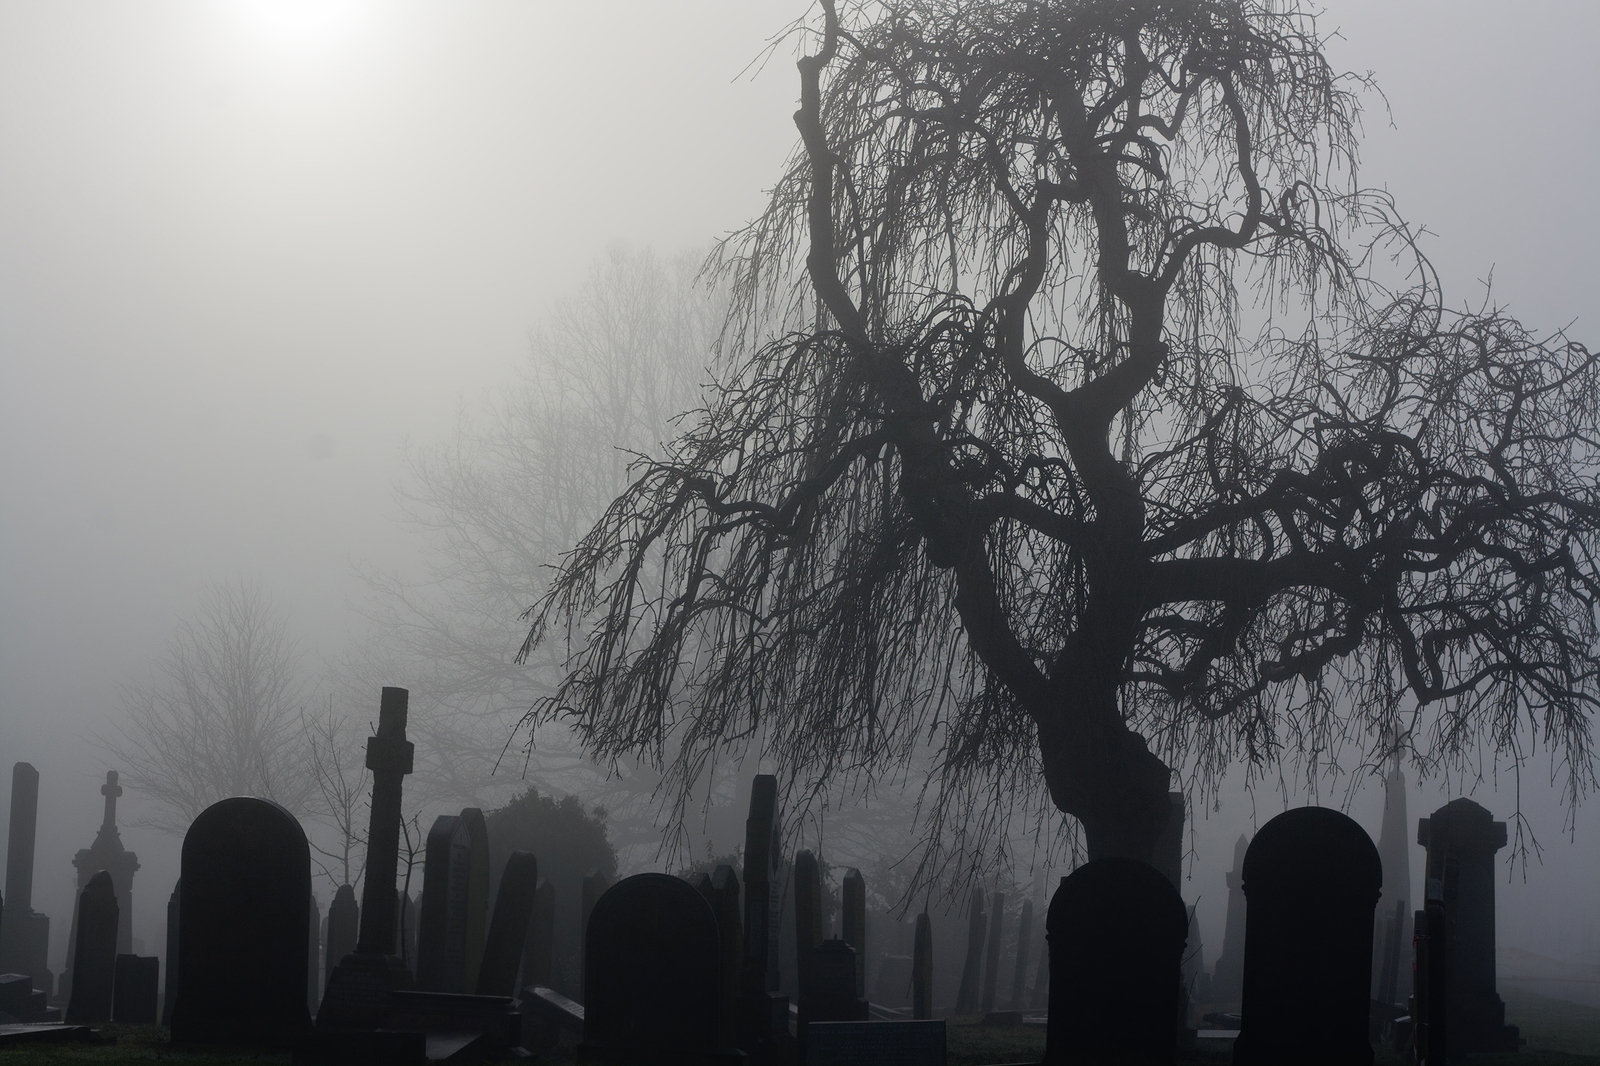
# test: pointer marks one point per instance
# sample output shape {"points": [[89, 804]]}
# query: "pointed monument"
{"points": [[24, 935], [1394, 849], [108, 854]]}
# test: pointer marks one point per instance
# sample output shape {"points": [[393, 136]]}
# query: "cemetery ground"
{"points": [[1558, 1034]]}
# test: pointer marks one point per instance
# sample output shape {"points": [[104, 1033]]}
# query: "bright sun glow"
{"points": [[301, 27]]}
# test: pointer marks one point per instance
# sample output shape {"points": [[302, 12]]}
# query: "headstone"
{"points": [[1462, 838], [508, 931], [721, 890], [1019, 979], [808, 931], [914, 1043], [106, 853], [94, 960], [1391, 929], [969, 997], [1394, 848], [1227, 978], [853, 925], [594, 886], [991, 962], [24, 934], [446, 880], [922, 969], [1116, 933], [344, 927], [477, 891], [1195, 980], [652, 990], [763, 1022], [246, 870], [891, 982], [169, 994], [831, 995], [133, 998], [539, 950], [1169, 845], [405, 927], [313, 956], [1430, 1029], [1311, 881]]}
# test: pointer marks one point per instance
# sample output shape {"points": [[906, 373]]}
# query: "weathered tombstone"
{"points": [[24, 934], [914, 1043], [133, 997], [594, 886], [808, 931], [922, 969], [313, 955], [1019, 978], [1311, 882], [1116, 932], [1394, 848], [891, 981], [969, 996], [442, 936], [1461, 838], [344, 926], [652, 990], [831, 995], [763, 1021], [508, 931], [991, 962], [94, 959], [853, 925], [405, 928], [169, 994], [477, 892], [539, 950], [108, 854], [721, 890], [246, 871], [1227, 977], [1430, 1028]]}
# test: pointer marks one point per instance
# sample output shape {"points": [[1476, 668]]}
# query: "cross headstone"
{"points": [[246, 870], [969, 996], [1461, 839], [1227, 977], [477, 891], [169, 993], [653, 985], [991, 962], [94, 958], [344, 926], [508, 931], [1116, 932], [106, 853], [539, 950], [763, 1022], [446, 880], [133, 998], [1019, 978], [922, 968], [24, 934], [1311, 881], [854, 923]]}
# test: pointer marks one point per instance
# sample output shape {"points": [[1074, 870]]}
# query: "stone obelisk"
{"points": [[24, 935]]}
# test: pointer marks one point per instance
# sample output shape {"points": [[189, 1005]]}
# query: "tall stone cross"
{"points": [[389, 756], [110, 790]]}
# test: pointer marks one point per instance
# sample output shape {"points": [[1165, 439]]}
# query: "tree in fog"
{"points": [[220, 716], [1068, 419], [335, 759]]}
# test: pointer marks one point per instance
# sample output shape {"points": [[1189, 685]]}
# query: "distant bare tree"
{"points": [[335, 759], [220, 717]]}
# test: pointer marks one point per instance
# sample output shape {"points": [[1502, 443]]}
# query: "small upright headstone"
{"points": [[1311, 879], [246, 870], [1116, 932], [133, 1000], [1227, 978], [763, 1021], [169, 994], [991, 962], [94, 959], [808, 931], [652, 990], [970, 994], [508, 931], [108, 854], [854, 923], [446, 878], [477, 891], [1461, 838], [344, 926], [24, 934], [721, 890], [1019, 977], [922, 969], [1394, 848], [539, 950], [313, 955], [832, 996]]}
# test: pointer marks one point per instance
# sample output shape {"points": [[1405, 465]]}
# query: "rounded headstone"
{"points": [[1116, 929], [246, 873], [1311, 880]]}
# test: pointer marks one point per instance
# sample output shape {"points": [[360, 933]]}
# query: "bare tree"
{"points": [[335, 761], [1068, 416], [220, 716]]}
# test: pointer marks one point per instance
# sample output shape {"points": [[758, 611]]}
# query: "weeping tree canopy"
{"points": [[1081, 417]]}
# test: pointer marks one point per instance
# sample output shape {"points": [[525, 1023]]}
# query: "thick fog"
{"points": [[252, 251]]}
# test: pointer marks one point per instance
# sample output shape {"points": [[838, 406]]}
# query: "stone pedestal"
{"points": [[1461, 838]]}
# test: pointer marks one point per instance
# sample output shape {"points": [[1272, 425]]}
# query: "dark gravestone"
{"points": [[1461, 838], [344, 927], [169, 994], [246, 871], [1116, 933], [991, 962], [1432, 1008], [891, 982], [914, 1043], [594, 886], [1019, 977], [721, 890], [832, 996], [922, 968], [313, 955], [1311, 882], [853, 924], [477, 893], [1394, 848], [16, 997], [652, 991], [108, 854], [508, 931], [763, 1022], [133, 1000], [24, 934], [539, 948], [446, 878], [970, 994], [405, 928], [808, 931], [1227, 978], [94, 959]]}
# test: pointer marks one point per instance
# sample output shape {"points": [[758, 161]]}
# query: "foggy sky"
{"points": [[243, 259]]}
